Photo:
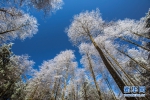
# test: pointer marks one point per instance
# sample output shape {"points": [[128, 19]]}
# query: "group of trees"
{"points": [[15, 70], [114, 54], [121, 47]]}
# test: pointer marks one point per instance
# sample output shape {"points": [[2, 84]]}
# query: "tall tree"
{"points": [[84, 28], [52, 79], [85, 50]]}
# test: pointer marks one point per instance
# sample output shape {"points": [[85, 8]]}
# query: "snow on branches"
{"points": [[16, 24]]}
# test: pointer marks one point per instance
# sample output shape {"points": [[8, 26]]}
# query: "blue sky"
{"points": [[51, 38]]}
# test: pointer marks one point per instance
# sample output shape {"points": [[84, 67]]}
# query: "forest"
{"points": [[114, 54]]}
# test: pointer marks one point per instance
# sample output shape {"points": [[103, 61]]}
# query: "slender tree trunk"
{"points": [[94, 77], [77, 92], [139, 35], [53, 90], [134, 43], [73, 93], [65, 83], [134, 60], [85, 92], [64, 91], [57, 90], [117, 79]]}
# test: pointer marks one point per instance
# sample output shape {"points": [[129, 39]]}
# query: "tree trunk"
{"points": [[73, 93], [94, 78], [53, 90], [134, 43], [57, 90], [85, 92], [117, 79], [65, 84], [139, 35], [77, 92]]}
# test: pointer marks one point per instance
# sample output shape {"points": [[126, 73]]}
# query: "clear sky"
{"points": [[51, 38]]}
